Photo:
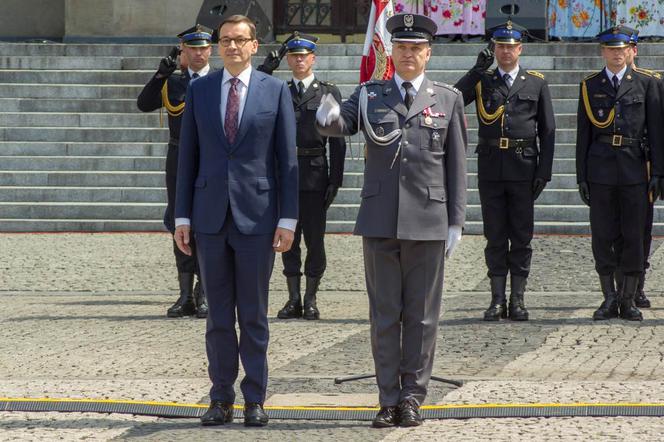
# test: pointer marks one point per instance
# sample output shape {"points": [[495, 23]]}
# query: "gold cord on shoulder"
{"points": [[486, 118], [173, 111], [589, 110]]}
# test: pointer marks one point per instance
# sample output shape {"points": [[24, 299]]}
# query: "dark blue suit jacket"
{"points": [[257, 174]]}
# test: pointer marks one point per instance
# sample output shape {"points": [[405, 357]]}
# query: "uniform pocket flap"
{"points": [[526, 96], [370, 188], [200, 182], [380, 118], [432, 122], [265, 183], [635, 99], [437, 193]]}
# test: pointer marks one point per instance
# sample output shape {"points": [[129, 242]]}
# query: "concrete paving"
{"points": [[84, 317]]}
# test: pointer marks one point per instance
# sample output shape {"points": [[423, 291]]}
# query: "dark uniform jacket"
{"points": [[521, 112], [423, 192], [611, 126], [314, 168]]}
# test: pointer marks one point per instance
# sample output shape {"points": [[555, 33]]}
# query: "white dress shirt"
{"points": [[242, 87], [417, 83], [306, 81], [202, 73], [512, 75], [619, 74]]}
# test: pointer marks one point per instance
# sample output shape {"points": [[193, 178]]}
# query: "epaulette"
{"points": [[372, 82], [592, 75], [326, 83], [535, 74], [648, 72], [447, 86]]}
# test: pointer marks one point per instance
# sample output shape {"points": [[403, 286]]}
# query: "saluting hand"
{"points": [[168, 64], [484, 59]]}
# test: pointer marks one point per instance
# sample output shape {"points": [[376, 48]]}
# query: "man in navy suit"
{"points": [[237, 190]]}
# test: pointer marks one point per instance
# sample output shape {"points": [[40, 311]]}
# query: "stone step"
{"points": [[83, 210], [51, 148], [87, 178], [82, 91], [149, 135], [83, 194], [123, 105], [439, 48], [98, 163]]}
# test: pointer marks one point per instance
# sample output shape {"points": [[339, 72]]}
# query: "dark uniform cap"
{"points": [[508, 33], [197, 36], [616, 37], [412, 28], [302, 44]]}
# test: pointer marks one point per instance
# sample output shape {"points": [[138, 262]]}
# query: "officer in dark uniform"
{"points": [[640, 299], [514, 110], [319, 183], [618, 106], [167, 89]]}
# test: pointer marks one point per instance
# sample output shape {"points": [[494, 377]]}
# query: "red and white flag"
{"points": [[377, 54]]}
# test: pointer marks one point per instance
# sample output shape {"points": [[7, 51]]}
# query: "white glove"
{"points": [[453, 239], [328, 111]]}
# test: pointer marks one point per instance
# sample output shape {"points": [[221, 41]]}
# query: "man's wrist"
{"points": [[182, 222]]}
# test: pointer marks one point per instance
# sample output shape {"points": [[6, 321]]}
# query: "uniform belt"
{"points": [[174, 140], [313, 152], [506, 143], [619, 141]]}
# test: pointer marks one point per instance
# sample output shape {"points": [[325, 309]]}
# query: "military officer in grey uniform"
{"points": [[514, 111], [412, 210], [618, 106], [319, 181]]}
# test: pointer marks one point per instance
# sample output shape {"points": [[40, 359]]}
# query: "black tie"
{"points": [[408, 98], [300, 89], [616, 83], [195, 76], [506, 79]]}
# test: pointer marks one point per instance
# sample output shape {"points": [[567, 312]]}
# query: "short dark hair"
{"points": [[239, 18]]}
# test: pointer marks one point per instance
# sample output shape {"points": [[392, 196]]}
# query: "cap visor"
{"points": [[411, 40], [197, 44]]}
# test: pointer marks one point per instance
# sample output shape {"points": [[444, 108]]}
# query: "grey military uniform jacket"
{"points": [[423, 192]]}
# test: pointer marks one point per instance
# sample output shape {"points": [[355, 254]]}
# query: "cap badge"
{"points": [[408, 20], [509, 25]]}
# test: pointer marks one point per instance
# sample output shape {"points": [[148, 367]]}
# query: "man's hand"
{"points": [[453, 239], [584, 192], [330, 194], [283, 240], [538, 186], [484, 59], [168, 64], [328, 111], [181, 237], [654, 189], [272, 61]]}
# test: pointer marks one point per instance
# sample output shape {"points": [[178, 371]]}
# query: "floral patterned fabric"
{"points": [[451, 16], [645, 15], [577, 18]]}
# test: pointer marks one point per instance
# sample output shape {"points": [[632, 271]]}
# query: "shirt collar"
{"points": [[307, 81], [244, 76], [618, 74], [513, 73], [416, 82], [202, 73]]}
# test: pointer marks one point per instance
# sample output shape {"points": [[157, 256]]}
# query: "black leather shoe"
{"points": [[254, 415], [293, 307], [201, 301], [626, 307], [609, 307], [219, 413], [498, 307], [640, 298], [185, 305], [517, 308], [386, 417], [310, 311], [409, 413]]}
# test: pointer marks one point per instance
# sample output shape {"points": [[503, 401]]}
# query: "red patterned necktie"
{"points": [[232, 111]]}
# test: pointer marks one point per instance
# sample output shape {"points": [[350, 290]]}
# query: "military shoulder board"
{"points": [[326, 83], [592, 75], [648, 72], [447, 86], [536, 74], [372, 82]]}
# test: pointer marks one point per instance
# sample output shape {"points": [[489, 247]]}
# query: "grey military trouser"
{"points": [[405, 285]]}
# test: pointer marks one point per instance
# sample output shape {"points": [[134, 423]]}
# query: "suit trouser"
{"points": [[235, 270], [508, 219], [618, 212], [311, 225], [405, 286], [184, 263]]}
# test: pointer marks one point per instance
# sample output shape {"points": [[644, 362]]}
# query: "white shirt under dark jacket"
{"points": [[242, 87]]}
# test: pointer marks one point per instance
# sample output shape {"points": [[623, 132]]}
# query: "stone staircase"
{"points": [[77, 155]]}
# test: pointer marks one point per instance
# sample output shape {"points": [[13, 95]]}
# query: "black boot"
{"points": [[620, 279], [498, 307], [626, 304], [185, 305], [200, 299], [517, 310], [310, 309], [609, 307], [640, 299], [293, 307]]}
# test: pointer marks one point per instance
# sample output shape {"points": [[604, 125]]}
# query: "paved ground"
{"points": [[84, 317]]}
